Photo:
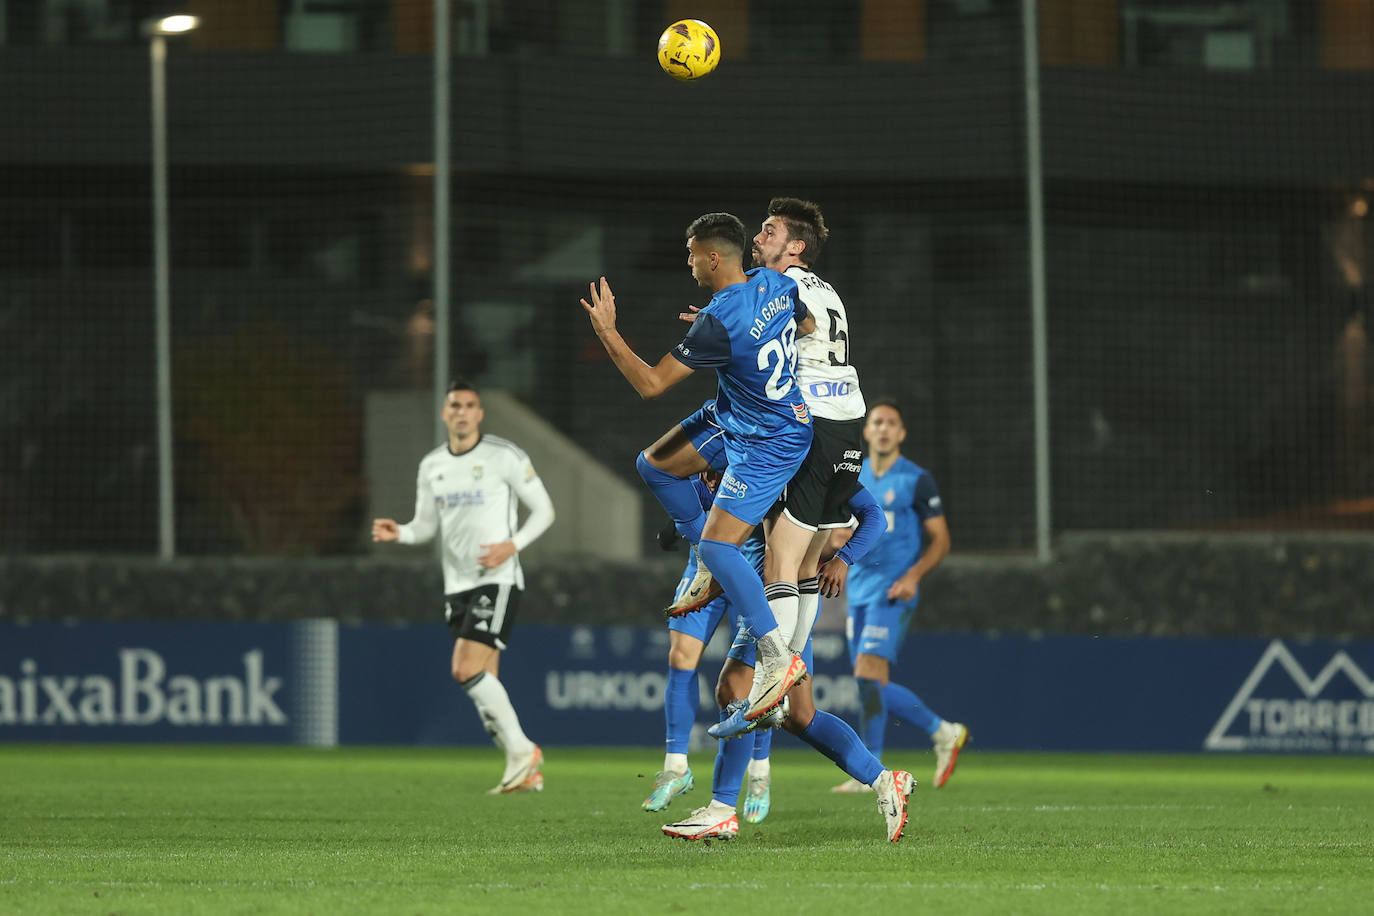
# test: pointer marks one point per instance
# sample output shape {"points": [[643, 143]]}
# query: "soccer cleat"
{"points": [[533, 783], [702, 591], [771, 685], [776, 718], [949, 740], [522, 774], [894, 794], [667, 786], [711, 822], [756, 799], [733, 725], [851, 786]]}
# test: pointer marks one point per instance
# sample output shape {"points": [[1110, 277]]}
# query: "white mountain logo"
{"points": [[1292, 723]]}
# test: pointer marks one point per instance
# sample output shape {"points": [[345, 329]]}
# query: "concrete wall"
{"points": [[1272, 585]]}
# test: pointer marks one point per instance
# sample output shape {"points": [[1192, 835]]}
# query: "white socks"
{"points": [[675, 763], [760, 768], [808, 605], [498, 716], [783, 602]]}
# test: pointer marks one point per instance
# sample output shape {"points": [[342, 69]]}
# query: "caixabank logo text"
{"points": [[1281, 707]]}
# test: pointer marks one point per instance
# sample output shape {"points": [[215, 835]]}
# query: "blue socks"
{"points": [[741, 583], [678, 495], [680, 708], [872, 715], [763, 743], [908, 707], [836, 740], [732, 759]]}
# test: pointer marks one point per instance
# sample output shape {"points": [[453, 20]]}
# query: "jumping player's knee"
{"points": [[685, 659]]}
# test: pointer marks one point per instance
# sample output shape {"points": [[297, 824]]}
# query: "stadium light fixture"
{"points": [[170, 25], [156, 31]]}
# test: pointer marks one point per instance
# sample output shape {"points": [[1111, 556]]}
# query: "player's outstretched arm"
{"points": [[649, 381], [385, 529]]}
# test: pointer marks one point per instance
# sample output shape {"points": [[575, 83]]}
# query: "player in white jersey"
{"points": [[466, 490]]}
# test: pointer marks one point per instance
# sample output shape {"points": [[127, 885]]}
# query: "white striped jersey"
{"points": [[471, 499], [829, 383]]}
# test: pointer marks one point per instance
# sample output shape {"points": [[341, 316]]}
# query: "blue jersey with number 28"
{"points": [[748, 334]]}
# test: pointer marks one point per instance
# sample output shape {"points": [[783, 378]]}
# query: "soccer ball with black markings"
{"points": [[688, 49]]}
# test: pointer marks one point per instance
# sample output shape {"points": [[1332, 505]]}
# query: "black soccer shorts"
{"points": [[818, 495], [485, 614]]}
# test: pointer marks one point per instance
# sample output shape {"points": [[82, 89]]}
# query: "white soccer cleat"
{"points": [[773, 677], [702, 591], [949, 740], [894, 794], [711, 822], [851, 786], [522, 774]]}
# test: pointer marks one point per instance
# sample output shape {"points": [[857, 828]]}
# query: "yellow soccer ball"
{"points": [[688, 49]]}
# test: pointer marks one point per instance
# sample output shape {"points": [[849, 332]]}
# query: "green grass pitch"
{"points": [[290, 830]]}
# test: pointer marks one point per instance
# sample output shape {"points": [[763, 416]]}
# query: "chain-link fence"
{"points": [[1206, 171]]}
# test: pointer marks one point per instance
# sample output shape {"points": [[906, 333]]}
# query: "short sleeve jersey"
{"points": [[908, 496], [829, 383], [748, 334]]}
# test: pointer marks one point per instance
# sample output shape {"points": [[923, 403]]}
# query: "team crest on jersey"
{"points": [[477, 472], [889, 496], [803, 414]]}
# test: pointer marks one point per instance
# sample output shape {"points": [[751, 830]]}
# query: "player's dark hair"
{"points": [[461, 384], [804, 222], [725, 229], [888, 403]]}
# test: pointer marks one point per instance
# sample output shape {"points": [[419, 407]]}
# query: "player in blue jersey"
{"points": [[828, 734], [883, 590], [747, 333], [688, 636]]}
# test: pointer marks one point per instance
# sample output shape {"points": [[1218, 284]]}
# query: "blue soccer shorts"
{"points": [[703, 428], [757, 471], [877, 628]]}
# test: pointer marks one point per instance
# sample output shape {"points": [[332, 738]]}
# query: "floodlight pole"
{"points": [[156, 31], [1035, 218], [157, 52], [442, 204]]}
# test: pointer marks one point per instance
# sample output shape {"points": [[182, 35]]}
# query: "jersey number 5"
{"points": [[838, 335], [779, 353]]}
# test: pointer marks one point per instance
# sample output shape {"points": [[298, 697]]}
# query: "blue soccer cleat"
{"points": [[668, 786], [757, 800], [733, 725]]}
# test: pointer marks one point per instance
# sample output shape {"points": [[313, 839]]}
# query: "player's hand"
{"points": [[385, 529], [832, 576], [904, 589], [601, 310], [690, 315], [493, 555]]}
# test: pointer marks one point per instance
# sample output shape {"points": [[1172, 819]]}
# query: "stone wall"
{"points": [[1290, 585]]}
